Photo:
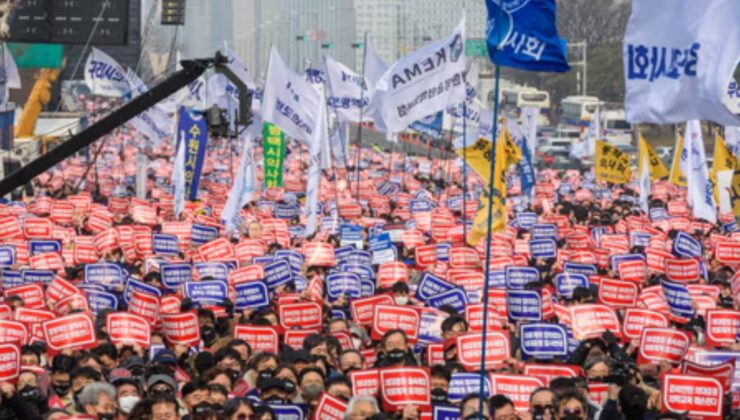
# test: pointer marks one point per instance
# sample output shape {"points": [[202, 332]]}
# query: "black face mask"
{"points": [[396, 355], [201, 408], [61, 389], [264, 374], [30, 393], [217, 407], [439, 396], [208, 334], [107, 416], [233, 375]]}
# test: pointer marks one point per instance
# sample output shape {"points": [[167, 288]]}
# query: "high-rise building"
{"points": [[397, 27]]}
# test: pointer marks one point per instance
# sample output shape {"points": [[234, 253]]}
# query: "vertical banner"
{"points": [[273, 147], [7, 119], [193, 136]]}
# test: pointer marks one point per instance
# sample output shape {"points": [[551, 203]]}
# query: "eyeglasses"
{"points": [[576, 412]]}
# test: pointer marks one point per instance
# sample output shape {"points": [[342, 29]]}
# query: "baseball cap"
{"points": [[161, 379], [165, 356]]}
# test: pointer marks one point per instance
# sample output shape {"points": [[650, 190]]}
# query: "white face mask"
{"points": [[401, 300], [127, 403]]}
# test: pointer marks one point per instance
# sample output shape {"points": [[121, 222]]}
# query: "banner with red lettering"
{"points": [[32, 295], [404, 386], [694, 395], [637, 319], [662, 344], [181, 328], [300, 315], [126, 328], [259, 338], [329, 408], [391, 317], [469, 349], [75, 331]]}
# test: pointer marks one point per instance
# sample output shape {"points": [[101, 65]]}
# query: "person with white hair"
{"points": [[99, 399], [361, 407]]}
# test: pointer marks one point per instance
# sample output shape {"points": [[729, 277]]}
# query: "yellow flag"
{"points": [[735, 194], [677, 177], [479, 229], [506, 153], [658, 169], [723, 161], [612, 165], [478, 156]]}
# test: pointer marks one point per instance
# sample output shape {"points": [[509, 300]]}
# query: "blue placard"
{"points": [[11, 278], [618, 259], [203, 234], [518, 277], [684, 245], [252, 294], [294, 258], [565, 283], [418, 206], [278, 273], [586, 269], [640, 239], [264, 260], [544, 231], [443, 252], [432, 285], [658, 213], [456, 298], [134, 284], [104, 274], [98, 300], [524, 305], [283, 211], [367, 287], [543, 248], [38, 246], [443, 412], [380, 241], [364, 271], [543, 340], [388, 188], [38, 276], [430, 327], [526, 220], [175, 274], [342, 253], [350, 233], [206, 292], [678, 298], [163, 244], [497, 278], [7, 255], [454, 203], [462, 384], [359, 257], [383, 255], [343, 284], [213, 269], [287, 411]]}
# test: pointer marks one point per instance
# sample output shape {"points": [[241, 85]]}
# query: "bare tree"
{"points": [[597, 22]]}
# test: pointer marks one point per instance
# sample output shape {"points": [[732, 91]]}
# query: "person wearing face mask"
{"points": [[395, 350], [98, 399], [127, 389], [261, 368], [195, 397], [400, 292], [350, 360], [440, 383], [81, 377], [311, 384], [207, 325], [340, 387], [276, 391], [27, 388], [470, 408], [13, 405], [60, 382]]}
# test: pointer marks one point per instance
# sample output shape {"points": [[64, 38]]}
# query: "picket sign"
{"points": [[636, 320], [617, 293], [517, 387], [363, 309], [260, 338], [591, 320], [727, 252], [365, 382], [662, 344], [682, 270], [403, 386], [181, 328], [695, 395], [391, 317], [75, 331], [723, 326], [469, 351], [125, 328]]}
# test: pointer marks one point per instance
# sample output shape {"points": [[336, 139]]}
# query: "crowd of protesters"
{"points": [[219, 375]]}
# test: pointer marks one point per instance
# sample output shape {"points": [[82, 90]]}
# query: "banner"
{"points": [[612, 165], [181, 328], [300, 315], [192, 136], [524, 35], [259, 338], [74, 331], [251, 294], [517, 387], [387, 318], [662, 344], [469, 350], [424, 82], [677, 176], [273, 155], [430, 125], [124, 328], [678, 57], [329, 408], [592, 320], [543, 340], [694, 166], [104, 76], [245, 182], [637, 319], [403, 386], [694, 395], [10, 355], [349, 94]]}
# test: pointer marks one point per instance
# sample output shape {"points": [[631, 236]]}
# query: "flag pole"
{"points": [[487, 242], [359, 125], [327, 88], [464, 172]]}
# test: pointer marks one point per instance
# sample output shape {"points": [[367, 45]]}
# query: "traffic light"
{"points": [[327, 45], [357, 45], [300, 37], [173, 12]]}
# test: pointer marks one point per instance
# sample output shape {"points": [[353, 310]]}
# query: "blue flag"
{"points": [[526, 170], [523, 34], [430, 125], [193, 136]]}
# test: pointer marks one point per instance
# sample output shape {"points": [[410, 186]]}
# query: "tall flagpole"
{"points": [[487, 242], [465, 170], [327, 88], [359, 125]]}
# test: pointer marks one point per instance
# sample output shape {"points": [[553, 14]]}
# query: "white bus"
{"points": [[514, 99], [615, 128], [578, 110]]}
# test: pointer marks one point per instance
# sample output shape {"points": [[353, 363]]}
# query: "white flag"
{"points": [[153, 123], [244, 184], [349, 93], [679, 56], [644, 183], [178, 178], [425, 82], [732, 139], [694, 167], [104, 76], [529, 126], [316, 147], [375, 67], [289, 101]]}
